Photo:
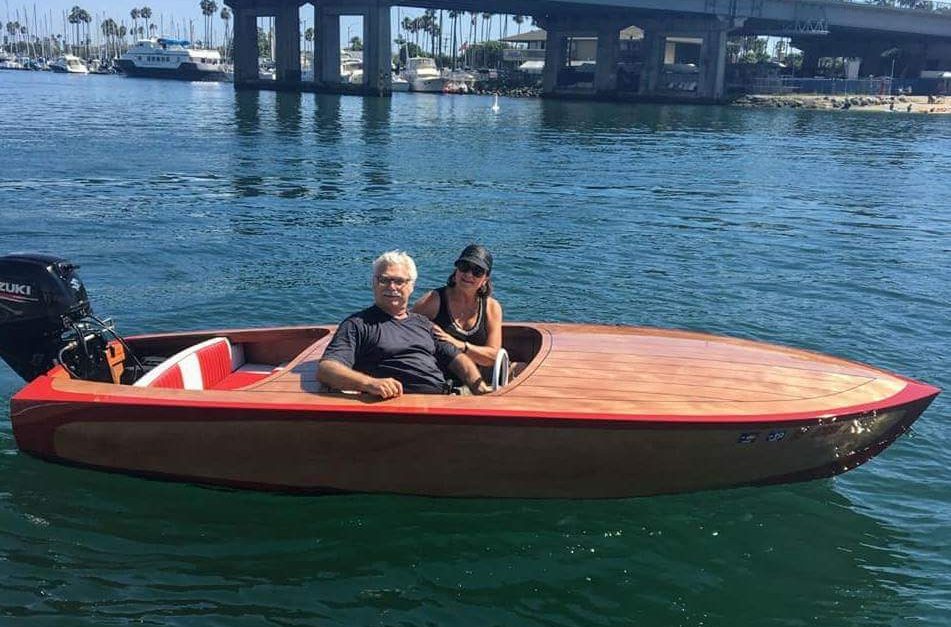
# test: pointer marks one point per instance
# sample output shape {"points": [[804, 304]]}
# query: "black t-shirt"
{"points": [[375, 343]]}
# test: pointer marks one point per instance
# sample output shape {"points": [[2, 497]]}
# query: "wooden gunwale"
{"points": [[538, 396]]}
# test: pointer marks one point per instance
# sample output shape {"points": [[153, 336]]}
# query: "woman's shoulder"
{"points": [[493, 307], [428, 305]]}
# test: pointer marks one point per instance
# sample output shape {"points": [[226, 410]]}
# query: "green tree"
{"points": [[208, 9], [519, 20], [146, 13], [13, 29], [109, 30], [135, 15], [226, 18], [264, 44], [75, 18]]}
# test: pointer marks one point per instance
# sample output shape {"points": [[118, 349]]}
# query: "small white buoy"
{"points": [[495, 104]]}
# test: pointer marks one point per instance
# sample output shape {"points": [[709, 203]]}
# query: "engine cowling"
{"points": [[41, 298]]}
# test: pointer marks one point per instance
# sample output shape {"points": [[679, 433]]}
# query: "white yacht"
{"points": [[399, 83], [459, 81], [159, 57], [351, 68], [69, 64], [422, 75], [9, 62]]}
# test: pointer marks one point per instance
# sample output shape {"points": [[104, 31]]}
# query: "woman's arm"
{"points": [[485, 355]]}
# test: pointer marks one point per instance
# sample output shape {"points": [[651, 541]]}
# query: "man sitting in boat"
{"points": [[385, 350]]}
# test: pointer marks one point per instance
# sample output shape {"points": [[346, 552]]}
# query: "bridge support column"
{"points": [[713, 63], [605, 69], [377, 62], [810, 62], [245, 45], [555, 57], [327, 36], [705, 83], [287, 48], [654, 53], [377, 59]]}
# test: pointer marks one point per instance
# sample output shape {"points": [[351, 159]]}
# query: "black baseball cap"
{"points": [[477, 255]]}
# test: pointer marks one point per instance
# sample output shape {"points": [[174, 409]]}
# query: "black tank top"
{"points": [[478, 335]]}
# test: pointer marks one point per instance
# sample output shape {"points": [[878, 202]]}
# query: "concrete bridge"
{"points": [[817, 27]]}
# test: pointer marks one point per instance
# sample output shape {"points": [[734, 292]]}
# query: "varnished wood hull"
{"points": [[282, 435]]}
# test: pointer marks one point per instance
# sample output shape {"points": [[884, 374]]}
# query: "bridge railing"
{"points": [[941, 6]]}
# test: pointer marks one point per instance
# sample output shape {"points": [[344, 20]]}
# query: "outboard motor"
{"points": [[46, 318]]}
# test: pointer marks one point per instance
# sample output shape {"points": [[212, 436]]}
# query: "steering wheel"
{"points": [[500, 371]]}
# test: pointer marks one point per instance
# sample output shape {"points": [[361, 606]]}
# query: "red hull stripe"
{"points": [[40, 392]]}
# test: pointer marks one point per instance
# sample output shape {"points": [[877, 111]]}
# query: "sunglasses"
{"points": [[476, 271], [398, 281]]}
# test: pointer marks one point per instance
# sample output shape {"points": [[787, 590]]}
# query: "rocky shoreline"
{"points": [[893, 104]]}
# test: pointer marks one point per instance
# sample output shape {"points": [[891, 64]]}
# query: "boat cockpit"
{"points": [[46, 320], [284, 358]]}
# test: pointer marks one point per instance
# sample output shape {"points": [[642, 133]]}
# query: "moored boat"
{"points": [[594, 411], [422, 75], [161, 57], [69, 64]]}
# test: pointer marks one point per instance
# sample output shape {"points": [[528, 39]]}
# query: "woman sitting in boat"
{"points": [[463, 311]]}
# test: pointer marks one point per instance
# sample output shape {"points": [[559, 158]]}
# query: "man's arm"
{"points": [[466, 370], [336, 375]]}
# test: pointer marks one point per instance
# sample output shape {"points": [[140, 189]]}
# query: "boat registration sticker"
{"points": [[751, 436]]}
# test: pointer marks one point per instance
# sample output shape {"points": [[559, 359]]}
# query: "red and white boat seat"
{"points": [[214, 364]]}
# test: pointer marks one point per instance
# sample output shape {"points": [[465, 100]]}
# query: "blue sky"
{"points": [[176, 17]]}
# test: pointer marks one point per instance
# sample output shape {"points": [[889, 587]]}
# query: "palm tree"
{"points": [[454, 16], [135, 15], [486, 33], [14, 29], [74, 18], [86, 19], [430, 28], [207, 11], [146, 13], [109, 31], [24, 33], [519, 20], [226, 17], [309, 38]]}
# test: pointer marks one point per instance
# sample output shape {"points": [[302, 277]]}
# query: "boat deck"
{"points": [[585, 371], [638, 372]]}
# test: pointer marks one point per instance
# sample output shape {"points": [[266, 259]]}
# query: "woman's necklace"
{"points": [[467, 313]]}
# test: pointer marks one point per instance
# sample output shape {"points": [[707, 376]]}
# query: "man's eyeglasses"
{"points": [[476, 271], [398, 281]]}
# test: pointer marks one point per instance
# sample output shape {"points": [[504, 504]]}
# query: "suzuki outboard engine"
{"points": [[45, 318]]}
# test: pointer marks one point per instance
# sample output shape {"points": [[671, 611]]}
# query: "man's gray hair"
{"points": [[394, 258]]}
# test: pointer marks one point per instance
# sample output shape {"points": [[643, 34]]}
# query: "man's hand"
{"points": [[465, 369], [338, 376], [384, 388]]}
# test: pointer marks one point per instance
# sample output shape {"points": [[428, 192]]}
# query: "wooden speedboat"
{"points": [[596, 412]]}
